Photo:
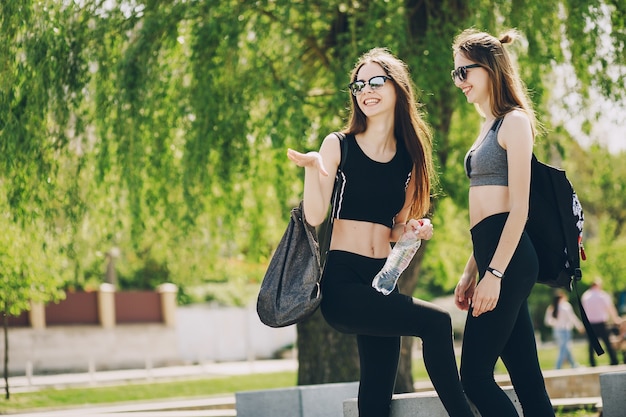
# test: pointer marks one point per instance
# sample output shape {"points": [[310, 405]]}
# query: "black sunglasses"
{"points": [[375, 83], [461, 72]]}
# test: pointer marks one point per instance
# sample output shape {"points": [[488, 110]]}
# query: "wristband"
{"points": [[495, 272]]}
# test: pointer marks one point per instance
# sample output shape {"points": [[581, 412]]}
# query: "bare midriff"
{"points": [[363, 238], [487, 200]]}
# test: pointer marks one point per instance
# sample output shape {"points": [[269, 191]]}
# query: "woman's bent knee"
{"points": [[439, 325], [441, 321]]}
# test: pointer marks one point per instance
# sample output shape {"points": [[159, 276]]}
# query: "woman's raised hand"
{"points": [[308, 160]]}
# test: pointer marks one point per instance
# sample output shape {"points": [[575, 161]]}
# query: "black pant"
{"points": [[601, 330], [351, 305], [506, 332]]}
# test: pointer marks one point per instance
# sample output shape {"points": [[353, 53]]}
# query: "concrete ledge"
{"points": [[323, 400], [577, 382], [419, 404], [581, 382], [613, 388], [563, 404]]}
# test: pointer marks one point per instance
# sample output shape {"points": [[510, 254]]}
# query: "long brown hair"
{"points": [[507, 89], [409, 125], [555, 305]]}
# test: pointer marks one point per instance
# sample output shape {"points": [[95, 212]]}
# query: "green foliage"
{"points": [[32, 266], [161, 129], [607, 254], [447, 253]]}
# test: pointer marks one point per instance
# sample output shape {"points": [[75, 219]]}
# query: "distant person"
{"points": [[620, 339], [561, 317], [600, 311]]}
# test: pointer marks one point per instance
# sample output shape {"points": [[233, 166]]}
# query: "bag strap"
{"points": [[591, 335], [327, 229]]}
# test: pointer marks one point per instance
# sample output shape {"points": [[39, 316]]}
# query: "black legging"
{"points": [[351, 305], [602, 333], [506, 332]]}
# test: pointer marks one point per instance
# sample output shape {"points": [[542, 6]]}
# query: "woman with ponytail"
{"points": [[502, 268]]}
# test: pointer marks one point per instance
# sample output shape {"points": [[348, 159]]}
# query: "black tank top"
{"points": [[372, 191]]}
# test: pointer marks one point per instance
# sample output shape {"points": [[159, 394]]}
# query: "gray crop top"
{"points": [[486, 164]]}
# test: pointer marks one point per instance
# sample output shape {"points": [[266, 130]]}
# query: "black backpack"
{"points": [[555, 226]]}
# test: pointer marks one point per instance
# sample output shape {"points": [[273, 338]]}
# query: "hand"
{"points": [[422, 228], [486, 294], [464, 292], [308, 160]]}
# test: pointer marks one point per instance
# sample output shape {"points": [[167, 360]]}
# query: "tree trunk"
{"points": [[407, 284], [5, 325], [325, 355]]}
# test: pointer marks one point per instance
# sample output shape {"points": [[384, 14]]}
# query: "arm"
{"points": [[613, 311], [516, 137], [402, 223], [464, 290], [319, 177], [577, 323], [548, 319]]}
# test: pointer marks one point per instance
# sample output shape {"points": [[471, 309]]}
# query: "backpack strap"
{"points": [[344, 149], [591, 335], [343, 143], [326, 230], [496, 125]]}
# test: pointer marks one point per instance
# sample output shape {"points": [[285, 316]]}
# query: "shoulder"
{"points": [[516, 120], [516, 129], [333, 137], [331, 147], [332, 141]]}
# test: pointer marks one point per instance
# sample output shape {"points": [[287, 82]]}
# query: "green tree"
{"points": [[31, 270], [160, 128], [40, 83]]}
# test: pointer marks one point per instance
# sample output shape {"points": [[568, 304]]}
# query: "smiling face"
{"points": [[376, 102], [476, 84]]}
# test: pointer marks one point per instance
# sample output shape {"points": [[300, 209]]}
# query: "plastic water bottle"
{"points": [[398, 260]]}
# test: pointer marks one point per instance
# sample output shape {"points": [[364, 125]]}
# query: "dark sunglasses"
{"points": [[461, 72], [374, 83]]}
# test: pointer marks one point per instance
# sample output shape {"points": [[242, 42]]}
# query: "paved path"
{"points": [[25, 383], [174, 408]]}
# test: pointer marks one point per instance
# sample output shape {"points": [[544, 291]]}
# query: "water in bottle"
{"points": [[398, 260]]}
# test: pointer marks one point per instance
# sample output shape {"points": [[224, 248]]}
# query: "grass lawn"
{"points": [[547, 360], [204, 387]]}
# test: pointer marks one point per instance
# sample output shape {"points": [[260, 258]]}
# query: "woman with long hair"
{"points": [[503, 267], [561, 318], [384, 191]]}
